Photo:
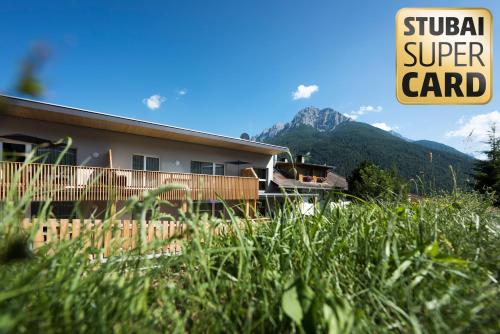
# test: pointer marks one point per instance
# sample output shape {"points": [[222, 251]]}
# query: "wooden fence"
{"points": [[109, 239], [74, 183]]}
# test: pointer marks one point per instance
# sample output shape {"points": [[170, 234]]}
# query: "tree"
{"points": [[487, 172], [368, 181]]}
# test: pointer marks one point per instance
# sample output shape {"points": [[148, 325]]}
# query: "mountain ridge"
{"points": [[344, 143]]}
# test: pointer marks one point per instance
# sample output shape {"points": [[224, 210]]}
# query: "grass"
{"points": [[429, 266]]}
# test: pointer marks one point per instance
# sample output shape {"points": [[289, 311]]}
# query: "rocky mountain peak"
{"points": [[320, 119]]}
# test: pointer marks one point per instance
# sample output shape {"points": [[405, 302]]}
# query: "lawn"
{"points": [[428, 266]]}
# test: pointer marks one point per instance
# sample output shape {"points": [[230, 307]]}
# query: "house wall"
{"points": [[93, 144]]}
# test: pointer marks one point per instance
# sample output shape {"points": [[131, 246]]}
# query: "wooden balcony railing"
{"points": [[73, 183]]}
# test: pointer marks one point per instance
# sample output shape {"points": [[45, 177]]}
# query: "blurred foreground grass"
{"points": [[429, 266]]}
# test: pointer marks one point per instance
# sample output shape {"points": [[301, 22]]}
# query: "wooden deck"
{"points": [[73, 183]]}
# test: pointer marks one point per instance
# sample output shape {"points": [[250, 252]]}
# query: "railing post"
{"points": [[247, 208]]}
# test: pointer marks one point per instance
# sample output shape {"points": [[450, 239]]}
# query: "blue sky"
{"points": [[230, 66]]}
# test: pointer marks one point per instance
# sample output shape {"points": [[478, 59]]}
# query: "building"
{"points": [[112, 158], [306, 182]]}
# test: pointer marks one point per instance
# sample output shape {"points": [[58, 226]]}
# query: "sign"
{"points": [[443, 56]]}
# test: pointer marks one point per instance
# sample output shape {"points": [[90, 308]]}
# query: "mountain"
{"points": [[433, 145], [320, 119], [334, 139], [397, 134], [440, 147]]}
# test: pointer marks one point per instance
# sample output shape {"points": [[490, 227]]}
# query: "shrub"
{"points": [[368, 181]]}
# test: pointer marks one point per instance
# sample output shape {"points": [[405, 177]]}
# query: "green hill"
{"points": [[350, 143]]}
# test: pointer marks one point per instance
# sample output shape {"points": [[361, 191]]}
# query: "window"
{"points": [[142, 162], [208, 168], [13, 152], [152, 164], [49, 155], [138, 162], [262, 175], [219, 169], [215, 209]]}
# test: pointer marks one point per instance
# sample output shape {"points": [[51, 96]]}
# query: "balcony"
{"points": [[74, 183]]}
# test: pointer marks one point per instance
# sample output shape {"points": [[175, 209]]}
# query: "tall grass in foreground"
{"points": [[430, 266]]}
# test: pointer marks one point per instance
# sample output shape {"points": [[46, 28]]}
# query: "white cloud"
{"points": [[304, 92], [477, 127], [384, 126], [182, 92], [363, 110], [354, 117], [154, 101], [474, 132]]}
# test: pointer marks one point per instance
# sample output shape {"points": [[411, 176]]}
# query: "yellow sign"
{"points": [[443, 56]]}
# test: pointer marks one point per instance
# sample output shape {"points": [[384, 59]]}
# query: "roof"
{"points": [[336, 180], [300, 164], [25, 108], [332, 181]]}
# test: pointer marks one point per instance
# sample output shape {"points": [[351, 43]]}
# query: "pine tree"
{"points": [[487, 172]]}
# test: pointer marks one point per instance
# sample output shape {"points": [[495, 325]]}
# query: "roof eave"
{"points": [[73, 116]]}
